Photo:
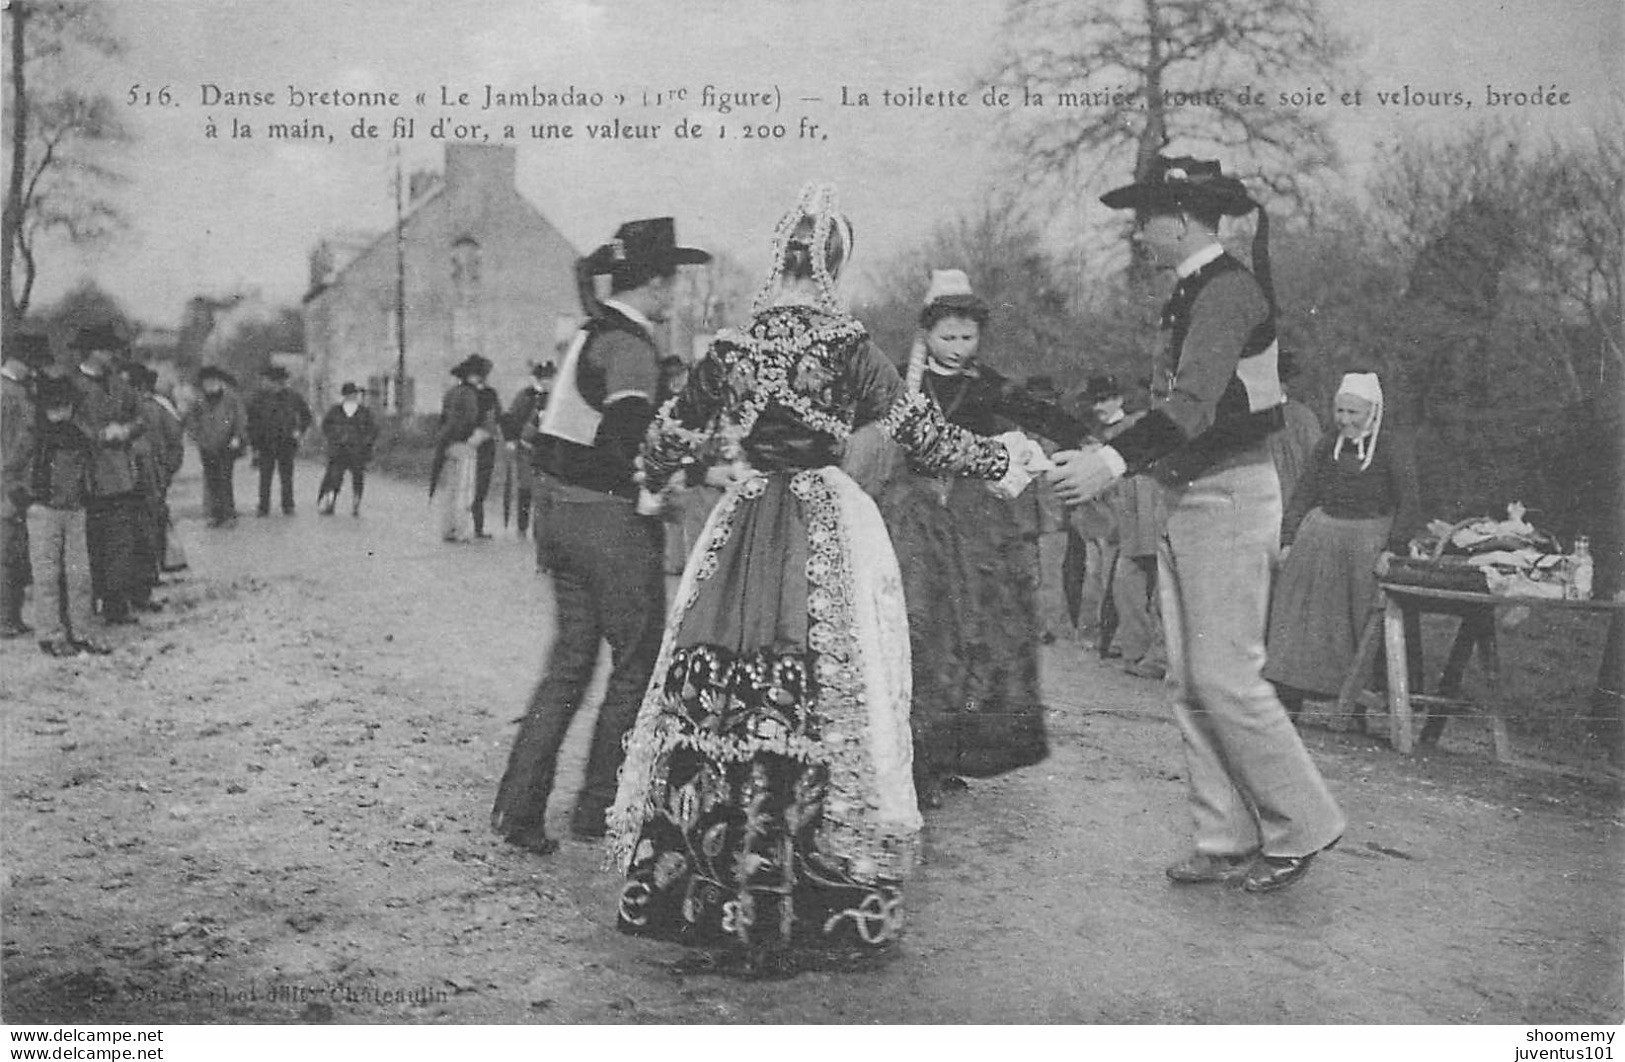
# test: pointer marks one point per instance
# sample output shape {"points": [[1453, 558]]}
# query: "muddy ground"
{"points": [[278, 787]]}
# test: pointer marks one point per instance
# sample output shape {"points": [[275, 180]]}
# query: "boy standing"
{"points": [[59, 473]]}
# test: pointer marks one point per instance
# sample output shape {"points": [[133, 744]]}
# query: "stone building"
{"points": [[483, 273]]}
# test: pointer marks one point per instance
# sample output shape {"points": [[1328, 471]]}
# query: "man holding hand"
{"points": [[1261, 810]]}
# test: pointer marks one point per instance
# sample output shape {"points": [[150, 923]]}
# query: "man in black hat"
{"points": [[604, 555], [218, 425], [26, 355], [110, 413], [350, 431], [527, 406], [278, 418], [1260, 807], [468, 420]]}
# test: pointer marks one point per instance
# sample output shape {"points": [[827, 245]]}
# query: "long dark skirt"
{"points": [[766, 804], [119, 544], [969, 563], [1321, 599]]}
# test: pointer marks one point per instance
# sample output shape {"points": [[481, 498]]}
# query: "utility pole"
{"points": [[13, 219], [400, 291]]}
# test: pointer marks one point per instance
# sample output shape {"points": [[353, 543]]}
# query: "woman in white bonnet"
{"points": [[1357, 497]]}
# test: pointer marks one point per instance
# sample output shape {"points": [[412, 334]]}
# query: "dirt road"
{"points": [[269, 805]]}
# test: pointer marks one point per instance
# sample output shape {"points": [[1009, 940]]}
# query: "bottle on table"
{"points": [[1580, 570]]}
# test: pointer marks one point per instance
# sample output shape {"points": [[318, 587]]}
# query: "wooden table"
{"points": [[1396, 625]]}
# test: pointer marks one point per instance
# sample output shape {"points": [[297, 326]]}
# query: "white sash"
{"points": [[568, 416]]}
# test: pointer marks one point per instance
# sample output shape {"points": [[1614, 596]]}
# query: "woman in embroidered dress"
{"points": [[766, 806], [969, 560], [1355, 498]]}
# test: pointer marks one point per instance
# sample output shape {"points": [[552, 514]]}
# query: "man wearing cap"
{"points": [[26, 355], [110, 414], [605, 557], [1261, 810], [527, 406], [350, 431], [278, 418], [218, 425]]}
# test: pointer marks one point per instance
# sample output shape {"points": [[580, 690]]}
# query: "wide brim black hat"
{"points": [[350, 389], [473, 365], [98, 337], [650, 242], [1174, 183], [30, 348], [216, 373]]}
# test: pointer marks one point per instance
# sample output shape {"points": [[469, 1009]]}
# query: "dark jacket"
{"points": [[217, 423], [1216, 392], [16, 445], [277, 416], [159, 450], [60, 468], [350, 435], [1340, 488], [526, 405], [108, 401]]}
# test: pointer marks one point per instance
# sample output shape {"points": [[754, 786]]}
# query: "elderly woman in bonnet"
{"points": [[766, 810], [1357, 497]]}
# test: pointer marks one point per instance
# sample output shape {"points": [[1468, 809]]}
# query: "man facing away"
{"points": [[1260, 808], [605, 557]]}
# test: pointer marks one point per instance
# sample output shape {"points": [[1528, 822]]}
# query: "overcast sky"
{"points": [[215, 216]]}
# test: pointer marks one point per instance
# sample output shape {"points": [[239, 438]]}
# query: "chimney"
{"points": [[476, 176]]}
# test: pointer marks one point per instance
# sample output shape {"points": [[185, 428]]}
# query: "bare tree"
{"points": [[1001, 249], [1121, 80], [59, 137], [1548, 221]]}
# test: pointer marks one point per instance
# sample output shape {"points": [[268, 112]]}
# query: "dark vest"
{"points": [[1236, 424]]}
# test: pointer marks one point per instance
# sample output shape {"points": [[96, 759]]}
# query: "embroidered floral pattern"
{"points": [[793, 357], [935, 445], [765, 796]]}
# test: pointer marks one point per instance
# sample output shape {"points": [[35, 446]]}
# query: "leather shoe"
{"points": [[1276, 872], [1203, 869], [1269, 873]]}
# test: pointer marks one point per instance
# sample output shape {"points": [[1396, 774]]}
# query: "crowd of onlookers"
{"points": [[89, 454]]}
